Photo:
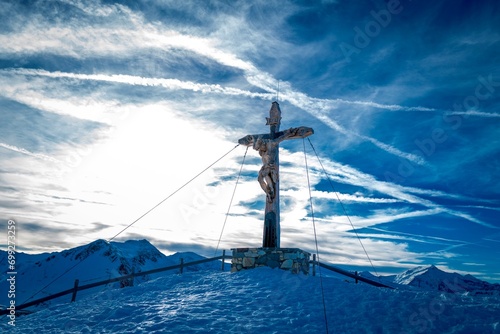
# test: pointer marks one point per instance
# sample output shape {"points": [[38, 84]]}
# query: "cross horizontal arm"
{"points": [[292, 133]]}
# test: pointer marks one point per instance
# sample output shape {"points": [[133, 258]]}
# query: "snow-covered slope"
{"points": [[263, 301], [206, 300], [97, 261]]}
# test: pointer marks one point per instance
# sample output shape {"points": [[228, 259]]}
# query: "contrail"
{"points": [[352, 176], [474, 113], [87, 41], [26, 152], [393, 107], [298, 99], [302, 101], [147, 35], [143, 81]]}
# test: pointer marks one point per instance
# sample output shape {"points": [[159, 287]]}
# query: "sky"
{"points": [[107, 108]]}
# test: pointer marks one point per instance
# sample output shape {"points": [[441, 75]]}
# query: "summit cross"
{"points": [[268, 147]]}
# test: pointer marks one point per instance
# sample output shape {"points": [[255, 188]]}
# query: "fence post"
{"points": [[223, 259], [75, 290], [181, 268], [314, 264]]}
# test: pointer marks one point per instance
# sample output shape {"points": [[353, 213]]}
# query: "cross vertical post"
{"points": [[268, 147], [271, 232]]}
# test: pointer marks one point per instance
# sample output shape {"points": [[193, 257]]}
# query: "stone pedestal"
{"points": [[293, 259]]}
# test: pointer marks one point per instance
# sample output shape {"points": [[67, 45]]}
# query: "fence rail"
{"points": [[351, 275], [77, 288]]}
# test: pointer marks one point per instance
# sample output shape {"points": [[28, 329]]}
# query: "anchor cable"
{"points": [[172, 194], [135, 221], [343, 208], [230, 203], [315, 237]]}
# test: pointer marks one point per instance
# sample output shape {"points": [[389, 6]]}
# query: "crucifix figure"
{"points": [[268, 147]]}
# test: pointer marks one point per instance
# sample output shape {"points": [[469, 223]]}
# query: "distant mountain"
{"points": [[44, 274], [97, 261], [433, 278]]}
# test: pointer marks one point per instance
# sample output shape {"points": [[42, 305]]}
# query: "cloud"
{"points": [[83, 41], [349, 175], [386, 216], [40, 94], [93, 7], [303, 102], [473, 264]]}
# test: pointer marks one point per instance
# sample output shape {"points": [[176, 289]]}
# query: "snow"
{"points": [[205, 299], [97, 261], [264, 300]]}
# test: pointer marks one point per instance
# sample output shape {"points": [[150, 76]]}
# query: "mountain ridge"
{"points": [[101, 260], [430, 277], [40, 275]]}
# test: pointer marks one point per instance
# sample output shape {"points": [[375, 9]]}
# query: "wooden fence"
{"points": [[73, 291]]}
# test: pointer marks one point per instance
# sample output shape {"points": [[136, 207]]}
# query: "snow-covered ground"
{"points": [[207, 300], [40, 275], [261, 301]]}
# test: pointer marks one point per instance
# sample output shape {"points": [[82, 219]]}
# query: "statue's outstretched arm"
{"points": [[295, 133], [247, 140]]}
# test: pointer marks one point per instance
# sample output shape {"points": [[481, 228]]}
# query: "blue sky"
{"points": [[107, 107]]}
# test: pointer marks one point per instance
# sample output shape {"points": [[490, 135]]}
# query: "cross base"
{"points": [[292, 259]]}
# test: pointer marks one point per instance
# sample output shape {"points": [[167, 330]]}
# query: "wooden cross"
{"points": [[268, 147]]}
